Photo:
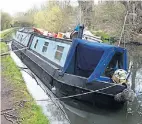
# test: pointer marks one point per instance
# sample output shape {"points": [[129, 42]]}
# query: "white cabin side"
{"points": [[53, 50]]}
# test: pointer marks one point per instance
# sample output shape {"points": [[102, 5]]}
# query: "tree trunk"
{"points": [[87, 12]]}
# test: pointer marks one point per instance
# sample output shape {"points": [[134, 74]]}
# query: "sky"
{"points": [[14, 6]]}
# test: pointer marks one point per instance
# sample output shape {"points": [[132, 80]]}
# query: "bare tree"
{"points": [[86, 8], [134, 21]]}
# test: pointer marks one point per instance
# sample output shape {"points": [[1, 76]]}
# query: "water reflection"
{"points": [[89, 115]]}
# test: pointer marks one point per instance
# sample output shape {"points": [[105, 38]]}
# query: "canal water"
{"points": [[70, 111]]}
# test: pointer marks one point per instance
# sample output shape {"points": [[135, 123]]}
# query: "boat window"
{"points": [[44, 49], [59, 52], [35, 44]]}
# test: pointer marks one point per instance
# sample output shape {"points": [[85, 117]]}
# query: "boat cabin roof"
{"points": [[90, 59]]}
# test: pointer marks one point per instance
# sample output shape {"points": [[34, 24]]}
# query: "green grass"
{"points": [[3, 47], [30, 113], [7, 32]]}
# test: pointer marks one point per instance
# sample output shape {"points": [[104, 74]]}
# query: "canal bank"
{"points": [[13, 91]]}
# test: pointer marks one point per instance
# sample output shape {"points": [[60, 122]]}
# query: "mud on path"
{"points": [[8, 114]]}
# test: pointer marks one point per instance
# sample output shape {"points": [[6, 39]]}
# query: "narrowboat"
{"points": [[73, 67]]}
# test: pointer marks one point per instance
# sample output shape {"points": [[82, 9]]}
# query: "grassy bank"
{"points": [[30, 112], [8, 32]]}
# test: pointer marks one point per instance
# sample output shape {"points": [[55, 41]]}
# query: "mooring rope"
{"points": [[71, 96], [92, 91], [75, 95]]}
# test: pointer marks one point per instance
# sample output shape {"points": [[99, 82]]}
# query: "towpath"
{"points": [[7, 116]]}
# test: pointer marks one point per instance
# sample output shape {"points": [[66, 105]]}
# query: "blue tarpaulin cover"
{"points": [[91, 58]]}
